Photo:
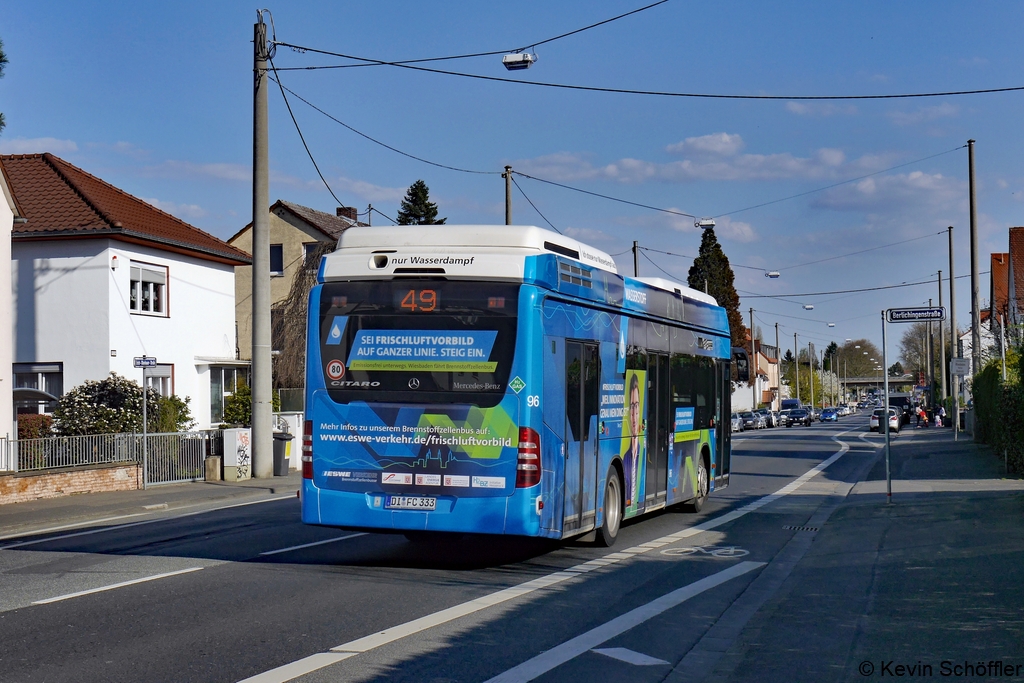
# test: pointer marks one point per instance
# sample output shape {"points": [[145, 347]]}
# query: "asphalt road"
{"points": [[248, 591]]}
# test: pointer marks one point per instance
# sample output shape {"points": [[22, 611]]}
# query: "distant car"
{"points": [[769, 417], [752, 420], [784, 417], [736, 423], [799, 416], [829, 415], [876, 416]]}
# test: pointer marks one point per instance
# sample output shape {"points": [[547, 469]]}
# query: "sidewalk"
{"points": [[21, 518], [934, 577]]}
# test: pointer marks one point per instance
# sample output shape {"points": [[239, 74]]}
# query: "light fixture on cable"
{"points": [[519, 60], [773, 274], [808, 307], [704, 223]]}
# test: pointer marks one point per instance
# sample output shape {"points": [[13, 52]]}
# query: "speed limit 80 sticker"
{"points": [[335, 369]]}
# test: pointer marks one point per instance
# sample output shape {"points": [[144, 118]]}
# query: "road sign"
{"points": [[145, 362], [915, 315], [960, 366]]}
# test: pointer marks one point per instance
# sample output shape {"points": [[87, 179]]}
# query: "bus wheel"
{"points": [[702, 487], [612, 510]]}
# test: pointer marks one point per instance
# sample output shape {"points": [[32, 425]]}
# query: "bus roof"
{"points": [[477, 251], [670, 286]]}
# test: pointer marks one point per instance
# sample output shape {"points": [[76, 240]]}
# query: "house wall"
{"points": [[72, 306], [200, 324], [288, 231], [61, 290], [6, 314]]}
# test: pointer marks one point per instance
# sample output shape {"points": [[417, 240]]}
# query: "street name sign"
{"points": [[960, 366], [915, 315], [145, 362]]}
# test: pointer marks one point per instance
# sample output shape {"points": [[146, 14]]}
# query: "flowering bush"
{"points": [[114, 406], [34, 426]]}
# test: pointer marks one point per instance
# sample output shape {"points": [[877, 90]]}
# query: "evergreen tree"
{"points": [[712, 266], [417, 209]]}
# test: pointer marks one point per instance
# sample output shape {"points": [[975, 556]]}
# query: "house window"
{"points": [[276, 259], [161, 379], [48, 377], [148, 294], [223, 381], [308, 250]]}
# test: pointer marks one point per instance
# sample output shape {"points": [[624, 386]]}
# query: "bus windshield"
{"points": [[418, 341]]}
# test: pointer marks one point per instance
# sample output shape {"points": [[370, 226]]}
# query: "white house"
{"points": [[8, 212], [101, 277]]}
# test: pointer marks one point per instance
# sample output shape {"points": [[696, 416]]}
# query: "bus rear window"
{"points": [[418, 341]]}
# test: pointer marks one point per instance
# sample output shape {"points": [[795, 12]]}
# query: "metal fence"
{"points": [[171, 458]]}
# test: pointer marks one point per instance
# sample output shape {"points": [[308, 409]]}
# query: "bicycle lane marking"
{"points": [[339, 653]]}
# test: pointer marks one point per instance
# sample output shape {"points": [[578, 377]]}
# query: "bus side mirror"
{"points": [[740, 365]]}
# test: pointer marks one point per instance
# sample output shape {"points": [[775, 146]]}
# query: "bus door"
{"points": [[660, 426], [582, 373], [723, 413]]}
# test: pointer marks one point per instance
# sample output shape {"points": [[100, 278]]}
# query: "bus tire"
{"points": [[609, 530], [697, 503]]}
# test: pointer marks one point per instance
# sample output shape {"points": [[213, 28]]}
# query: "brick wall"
{"points": [[24, 486]]}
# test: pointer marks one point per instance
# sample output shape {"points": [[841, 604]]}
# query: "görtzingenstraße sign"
{"points": [[915, 315], [145, 362]]}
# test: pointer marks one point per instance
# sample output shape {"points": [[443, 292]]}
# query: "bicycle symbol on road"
{"points": [[723, 551]]}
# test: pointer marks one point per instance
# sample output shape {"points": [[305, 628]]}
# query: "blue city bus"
{"points": [[506, 380]]}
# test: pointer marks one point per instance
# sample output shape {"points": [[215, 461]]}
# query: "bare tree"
{"points": [[288, 323]]}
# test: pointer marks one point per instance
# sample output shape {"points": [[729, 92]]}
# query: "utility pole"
{"points": [[369, 214], [636, 260], [975, 310], [507, 175], [954, 342], [262, 408], [778, 357], [810, 363], [753, 357], [931, 367], [796, 362], [942, 347]]}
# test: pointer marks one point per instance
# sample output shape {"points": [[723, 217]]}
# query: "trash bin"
{"points": [[281, 440]]}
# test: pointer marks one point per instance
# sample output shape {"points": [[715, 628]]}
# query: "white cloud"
{"points": [[910, 191], [588, 235], [736, 231], [369, 191], [924, 114], [188, 169], [37, 145], [723, 144], [823, 164], [186, 212], [820, 109]]}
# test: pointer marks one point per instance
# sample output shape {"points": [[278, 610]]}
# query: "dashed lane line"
{"points": [[344, 651], [115, 585]]}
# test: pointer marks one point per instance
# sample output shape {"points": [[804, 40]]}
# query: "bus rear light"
{"points": [[307, 449], [528, 464]]}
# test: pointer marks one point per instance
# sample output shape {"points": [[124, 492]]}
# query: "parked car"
{"points": [[752, 420], [876, 416], [769, 417], [829, 415], [784, 417], [799, 416], [736, 423]]}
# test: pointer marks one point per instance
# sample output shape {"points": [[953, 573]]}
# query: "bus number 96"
{"points": [[420, 300], [533, 401]]}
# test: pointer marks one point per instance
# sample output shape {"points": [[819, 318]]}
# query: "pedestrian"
{"points": [[940, 417], [917, 416]]}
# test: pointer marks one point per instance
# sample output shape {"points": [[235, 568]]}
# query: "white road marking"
{"points": [[115, 585], [390, 635], [76, 525], [570, 649], [310, 545], [629, 656], [125, 526]]}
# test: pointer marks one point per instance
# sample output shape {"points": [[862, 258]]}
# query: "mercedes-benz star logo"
{"points": [[414, 383]]}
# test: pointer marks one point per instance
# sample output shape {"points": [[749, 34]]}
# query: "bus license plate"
{"points": [[410, 503]]}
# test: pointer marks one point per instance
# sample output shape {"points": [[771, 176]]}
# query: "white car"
{"points": [[876, 416]]}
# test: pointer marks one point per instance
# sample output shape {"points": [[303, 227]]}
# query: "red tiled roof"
{"points": [[330, 226], [63, 201]]}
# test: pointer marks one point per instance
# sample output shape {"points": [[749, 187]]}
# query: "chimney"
{"points": [[348, 212]]}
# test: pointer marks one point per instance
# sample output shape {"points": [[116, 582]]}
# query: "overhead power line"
{"points": [[604, 196], [472, 54], [651, 93], [535, 206], [863, 251], [850, 291]]}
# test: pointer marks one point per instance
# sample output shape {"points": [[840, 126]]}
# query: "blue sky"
{"points": [[157, 100]]}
